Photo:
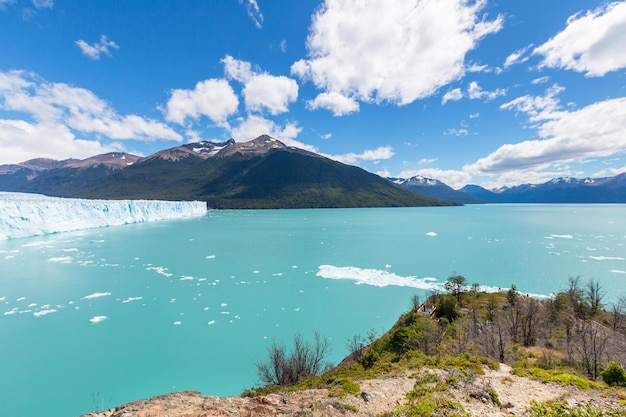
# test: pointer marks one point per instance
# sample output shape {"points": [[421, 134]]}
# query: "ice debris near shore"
{"points": [[23, 214]]}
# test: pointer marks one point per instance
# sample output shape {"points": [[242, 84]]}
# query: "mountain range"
{"points": [[261, 173], [557, 190]]}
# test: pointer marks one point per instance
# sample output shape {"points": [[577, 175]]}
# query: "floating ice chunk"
{"points": [[61, 259], [159, 270], [177, 323], [11, 312], [210, 257], [225, 312], [223, 305], [98, 319], [618, 271], [129, 299], [431, 234], [560, 237], [44, 312], [374, 277], [607, 258], [211, 322], [186, 278], [554, 253], [21, 299], [96, 295]]}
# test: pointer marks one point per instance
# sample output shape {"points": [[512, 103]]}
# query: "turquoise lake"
{"points": [[93, 319]]}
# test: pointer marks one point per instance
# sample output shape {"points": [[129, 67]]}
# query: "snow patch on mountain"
{"points": [[23, 214]]}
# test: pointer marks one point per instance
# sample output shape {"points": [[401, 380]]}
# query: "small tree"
{"points": [[447, 307], [455, 285], [614, 374]]}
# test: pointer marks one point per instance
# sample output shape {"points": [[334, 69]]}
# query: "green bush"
{"points": [[614, 374]]}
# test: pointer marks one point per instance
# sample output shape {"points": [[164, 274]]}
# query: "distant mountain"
{"points": [[262, 173], [558, 190], [435, 189]]}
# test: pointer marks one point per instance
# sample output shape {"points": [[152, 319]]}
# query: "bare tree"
{"points": [[416, 302], [618, 316], [594, 295], [356, 346], [304, 360]]}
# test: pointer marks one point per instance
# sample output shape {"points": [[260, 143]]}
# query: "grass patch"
{"points": [[560, 376]]}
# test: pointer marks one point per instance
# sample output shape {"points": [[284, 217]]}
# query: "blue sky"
{"points": [[487, 92]]}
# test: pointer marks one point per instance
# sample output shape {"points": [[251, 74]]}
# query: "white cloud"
{"points": [[540, 80], [262, 91], [452, 95], [452, 178], [537, 107], [456, 132], [4, 3], [271, 93], [43, 4], [517, 57], [213, 98], [474, 115], [378, 154], [425, 161], [609, 172], [21, 140], [75, 108], [596, 130], [475, 92], [238, 70], [592, 43], [94, 50], [396, 52], [339, 104], [254, 12]]}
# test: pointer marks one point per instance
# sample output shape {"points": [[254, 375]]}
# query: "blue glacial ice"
{"points": [[23, 214]]}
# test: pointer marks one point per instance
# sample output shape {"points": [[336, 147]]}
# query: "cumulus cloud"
{"points": [[395, 52], [95, 50], [378, 154], [337, 103], [271, 93], [59, 113], [475, 92], [75, 107], [564, 135], [592, 43], [213, 98], [262, 91], [452, 95]]}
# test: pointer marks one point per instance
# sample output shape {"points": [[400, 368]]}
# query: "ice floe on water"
{"points": [[44, 312], [130, 299], [431, 234], [375, 277], [607, 258], [161, 270], [96, 295], [617, 271], [560, 237], [98, 319], [61, 259]]}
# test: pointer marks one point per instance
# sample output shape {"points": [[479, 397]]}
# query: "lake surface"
{"points": [[97, 318]]}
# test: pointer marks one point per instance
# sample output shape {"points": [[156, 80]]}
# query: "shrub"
{"points": [[614, 374]]}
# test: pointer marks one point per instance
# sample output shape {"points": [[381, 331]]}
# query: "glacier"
{"points": [[23, 214]]}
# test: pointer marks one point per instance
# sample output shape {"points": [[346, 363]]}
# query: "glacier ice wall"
{"points": [[24, 214]]}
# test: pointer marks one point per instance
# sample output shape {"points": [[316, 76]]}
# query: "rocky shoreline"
{"points": [[377, 397]]}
